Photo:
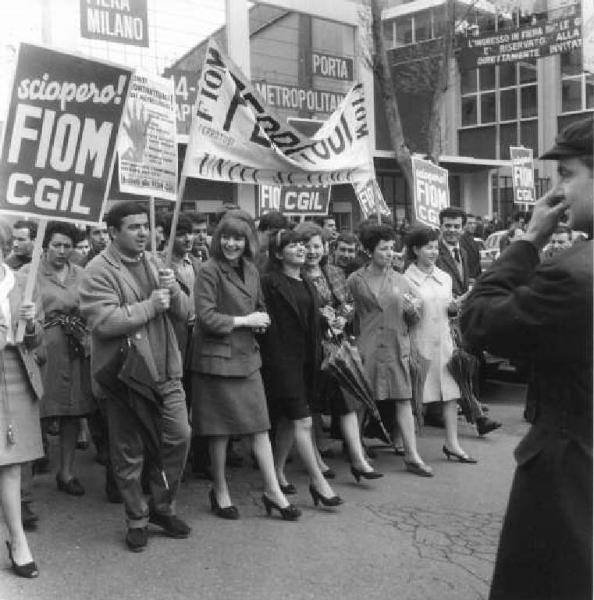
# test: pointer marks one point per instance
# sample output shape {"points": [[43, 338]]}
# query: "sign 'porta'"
{"points": [[431, 191], [60, 135], [522, 174]]}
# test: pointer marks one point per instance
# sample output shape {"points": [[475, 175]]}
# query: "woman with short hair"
{"points": [[431, 334], [66, 375], [291, 354], [336, 304], [384, 311]]}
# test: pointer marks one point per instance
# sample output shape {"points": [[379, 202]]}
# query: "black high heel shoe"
{"points": [[358, 473], [317, 498], [229, 512], [463, 458], [329, 474], [288, 513], [289, 489], [28, 570]]}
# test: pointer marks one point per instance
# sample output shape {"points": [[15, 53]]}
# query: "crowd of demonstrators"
{"points": [[172, 358]]}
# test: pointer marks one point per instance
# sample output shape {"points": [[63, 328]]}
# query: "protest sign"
{"points": [[431, 191], [121, 21], [186, 85], [290, 199], [371, 200], [522, 174], [147, 146], [60, 135], [236, 137]]}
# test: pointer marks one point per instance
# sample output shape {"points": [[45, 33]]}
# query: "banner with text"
{"points": [[296, 200], [431, 191], [60, 135], [147, 147], [120, 21], [522, 174], [530, 42], [236, 137], [371, 199]]}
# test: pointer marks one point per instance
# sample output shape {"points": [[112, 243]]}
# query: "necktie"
{"points": [[458, 261]]}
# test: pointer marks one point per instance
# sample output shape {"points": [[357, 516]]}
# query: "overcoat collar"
{"points": [[52, 275], [281, 283], [365, 275], [418, 277], [247, 286], [114, 258]]}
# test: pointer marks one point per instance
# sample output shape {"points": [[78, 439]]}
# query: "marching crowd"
{"points": [[169, 363]]}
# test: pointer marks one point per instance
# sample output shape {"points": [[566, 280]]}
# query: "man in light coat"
{"points": [[125, 298]]}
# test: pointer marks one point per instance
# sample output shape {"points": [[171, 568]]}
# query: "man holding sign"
{"points": [[127, 299]]}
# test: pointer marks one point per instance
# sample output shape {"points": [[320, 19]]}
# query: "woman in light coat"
{"points": [[431, 334]]}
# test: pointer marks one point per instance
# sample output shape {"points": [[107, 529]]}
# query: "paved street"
{"points": [[402, 537]]}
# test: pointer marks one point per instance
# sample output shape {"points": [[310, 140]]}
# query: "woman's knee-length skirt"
{"points": [[19, 411], [228, 405]]}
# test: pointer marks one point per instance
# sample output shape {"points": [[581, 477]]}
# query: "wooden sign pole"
{"points": [[32, 276], [174, 220], [153, 226]]}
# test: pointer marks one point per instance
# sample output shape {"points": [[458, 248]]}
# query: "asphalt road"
{"points": [[402, 537]]}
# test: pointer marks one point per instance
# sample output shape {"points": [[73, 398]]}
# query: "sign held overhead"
{"points": [[60, 135]]}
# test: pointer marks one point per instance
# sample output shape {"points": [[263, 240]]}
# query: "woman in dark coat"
{"points": [[336, 304], [228, 395], [291, 354]]}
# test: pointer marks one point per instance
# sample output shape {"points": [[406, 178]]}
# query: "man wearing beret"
{"points": [[543, 313]]}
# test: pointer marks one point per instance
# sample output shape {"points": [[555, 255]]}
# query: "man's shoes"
{"points": [[28, 517], [485, 425], [173, 526], [137, 538]]}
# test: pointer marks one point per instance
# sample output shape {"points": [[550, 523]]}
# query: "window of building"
{"points": [[577, 87], [505, 95]]}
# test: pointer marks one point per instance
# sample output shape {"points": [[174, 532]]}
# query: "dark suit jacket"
{"points": [[446, 262], [220, 295], [289, 342], [543, 313], [472, 253]]}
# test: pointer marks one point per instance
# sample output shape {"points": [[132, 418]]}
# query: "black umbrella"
{"points": [[128, 380], [345, 365], [462, 366]]}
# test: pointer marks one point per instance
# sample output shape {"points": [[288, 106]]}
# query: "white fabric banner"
{"points": [[236, 137]]}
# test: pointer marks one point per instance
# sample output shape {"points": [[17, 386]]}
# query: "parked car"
{"points": [[491, 248]]}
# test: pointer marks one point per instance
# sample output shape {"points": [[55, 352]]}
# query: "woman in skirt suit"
{"points": [[20, 391], [228, 394]]}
